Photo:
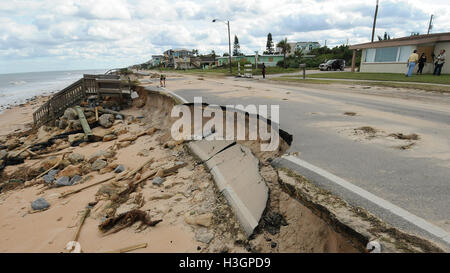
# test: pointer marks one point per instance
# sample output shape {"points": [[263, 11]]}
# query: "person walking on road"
{"points": [[264, 71], [439, 63], [162, 80], [422, 61], [412, 60]]}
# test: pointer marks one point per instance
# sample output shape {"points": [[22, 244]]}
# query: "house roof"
{"points": [[409, 40]]}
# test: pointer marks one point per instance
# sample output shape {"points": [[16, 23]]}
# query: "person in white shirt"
{"points": [[439, 63]]}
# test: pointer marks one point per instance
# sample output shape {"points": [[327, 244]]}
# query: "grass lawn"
{"points": [[425, 87], [442, 79]]}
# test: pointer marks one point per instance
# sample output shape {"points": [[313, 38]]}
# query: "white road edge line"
{"points": [[177, 96], [413, 219]]}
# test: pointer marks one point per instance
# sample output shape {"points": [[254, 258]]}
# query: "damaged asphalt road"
{"points": [[417, 182]]}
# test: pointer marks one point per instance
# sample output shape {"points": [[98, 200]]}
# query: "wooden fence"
{"points": [[68, 97]]}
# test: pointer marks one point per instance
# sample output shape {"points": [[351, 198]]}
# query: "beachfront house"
{"points": [[268, 60], [203, 61], [305, 47], [178, 58], [157, 60], [391, 56]]}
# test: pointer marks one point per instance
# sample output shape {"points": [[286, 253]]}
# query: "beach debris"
{"points": [[406, 137], [50, 176], [350, 114], [126, 208], [109, 137], [54, 166], [74, 125], [75, 179], [373, 247], [106, 120], [70, 114], [119, 169], [124, 220], [62, 124], [130, 248], [49, 162], [73, 247], [3, 154], [204, 220], [17, 154], [12, 143], [63, 195], [129, 138], [75, 158], [134, 95], [63, 181], [203, 235], [133, 172], [367, 130], [96, 113], [272, 222], [101, 155], [70, 171], [40, 204], [83, 121], [407, 146], [99, 164], [158, 180]]}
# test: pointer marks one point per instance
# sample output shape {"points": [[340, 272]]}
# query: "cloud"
{"points": [[70, 33]]}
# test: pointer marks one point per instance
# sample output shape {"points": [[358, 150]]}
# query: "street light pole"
{"points": [[229, 43], [229, 47]]}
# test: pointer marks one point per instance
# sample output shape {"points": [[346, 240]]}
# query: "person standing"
{"points": [[162, 80], [422, 61], [440, 60], [264, 71], [412, 60]]}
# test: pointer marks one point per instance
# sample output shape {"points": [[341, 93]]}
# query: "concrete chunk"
{"points": [[236, 174], [205, 149]]}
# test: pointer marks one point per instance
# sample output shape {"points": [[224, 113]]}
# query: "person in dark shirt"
{"points": [[264, 71], [422, 61], [162, 80]]}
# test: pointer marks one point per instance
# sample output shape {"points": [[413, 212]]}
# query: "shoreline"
{"points": [[20, 117]]}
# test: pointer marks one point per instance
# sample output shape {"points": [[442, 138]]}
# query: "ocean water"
{"points": [[17, 88]]}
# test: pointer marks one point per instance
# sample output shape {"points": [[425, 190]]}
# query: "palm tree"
{"points": [[285, 48]]}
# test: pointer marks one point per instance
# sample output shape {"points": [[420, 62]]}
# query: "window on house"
{"points": [[370, 55], [386, 54], [405, 52]]}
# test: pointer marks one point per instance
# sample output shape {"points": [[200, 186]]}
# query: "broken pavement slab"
{"points": [[207, 149], [236, 173]]}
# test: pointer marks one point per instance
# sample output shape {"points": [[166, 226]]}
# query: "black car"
{"points": [[335, 64]]}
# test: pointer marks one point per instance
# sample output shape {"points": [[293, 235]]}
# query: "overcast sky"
{"points": [[66, 34]]}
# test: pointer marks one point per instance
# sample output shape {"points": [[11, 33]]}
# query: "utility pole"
{"points": [[430, 25], [374, 21]]}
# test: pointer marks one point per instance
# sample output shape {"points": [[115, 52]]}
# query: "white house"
{"points": [[391, 56]]}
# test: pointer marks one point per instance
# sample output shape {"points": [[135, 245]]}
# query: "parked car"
{"points": [[334, 64]]}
